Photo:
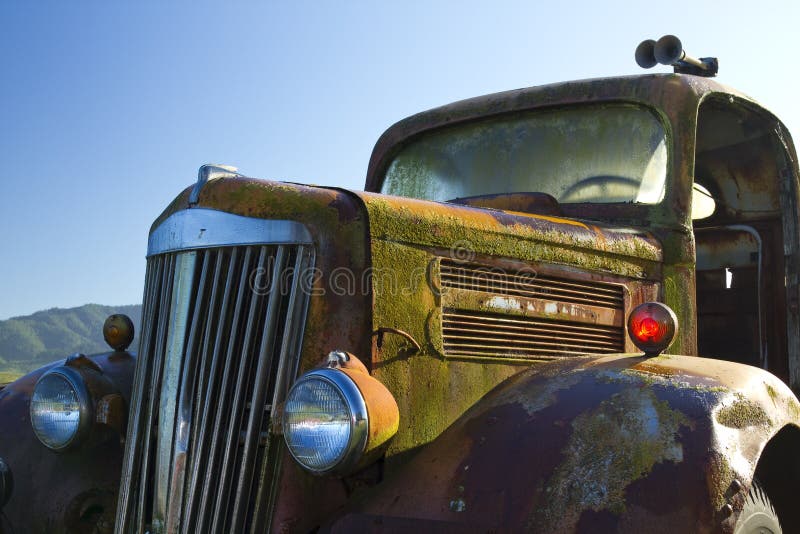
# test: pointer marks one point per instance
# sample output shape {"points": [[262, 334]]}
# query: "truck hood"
{"points": [[456, 228], [466, 230]]}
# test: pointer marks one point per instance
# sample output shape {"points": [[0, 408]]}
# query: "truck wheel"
{"points": [[758, 516]]}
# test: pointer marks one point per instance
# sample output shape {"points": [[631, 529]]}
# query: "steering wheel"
{"points": [[606, 188]]}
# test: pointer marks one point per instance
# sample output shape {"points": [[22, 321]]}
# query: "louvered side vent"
{"points": [[221, 332], [488, 312]]}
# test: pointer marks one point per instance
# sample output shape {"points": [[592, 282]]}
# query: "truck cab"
{"points": [[701, 167]]}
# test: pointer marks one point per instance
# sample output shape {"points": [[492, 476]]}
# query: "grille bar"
{"points": [[531, 285], [212, 474], [167, 274], [185, 401], [130, 466], [504, 324], [239, 347], [267, 485], [237, 406], [244, 483], [174, 350], [209, 369], [491, 313], [492, 336]]}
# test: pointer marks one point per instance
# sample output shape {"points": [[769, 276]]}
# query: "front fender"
{"points": [[609, 444], [70, 491]]}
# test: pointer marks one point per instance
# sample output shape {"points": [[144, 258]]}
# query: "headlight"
{"points": [[325, 421], [61, 410], [338, 419]]}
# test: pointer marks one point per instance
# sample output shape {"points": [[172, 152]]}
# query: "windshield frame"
{"points": [[528, 116], [673, 98]]}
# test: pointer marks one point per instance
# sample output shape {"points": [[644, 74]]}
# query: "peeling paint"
{"points": [[675, 379], [612, 446], [503, 303], [542, 395]]}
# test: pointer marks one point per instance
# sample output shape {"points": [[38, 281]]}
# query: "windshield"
{"points": [[610, 153]]}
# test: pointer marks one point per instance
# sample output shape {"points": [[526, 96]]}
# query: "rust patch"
{"points": [[648, 366]]}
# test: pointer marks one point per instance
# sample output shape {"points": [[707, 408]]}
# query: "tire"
{"points": [[758, 515]]}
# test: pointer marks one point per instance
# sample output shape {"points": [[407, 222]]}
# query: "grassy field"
{"points": [[31, 341], [8, 377]]}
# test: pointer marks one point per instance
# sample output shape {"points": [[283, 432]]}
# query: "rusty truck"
{"points": [[565, 308]]}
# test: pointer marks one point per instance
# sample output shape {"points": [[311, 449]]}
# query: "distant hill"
{"points": [[31, 341]]}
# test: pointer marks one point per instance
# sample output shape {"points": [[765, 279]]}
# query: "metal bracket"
{"points": [[337, 359], [709, 70], [379, 333], [79, 361]]}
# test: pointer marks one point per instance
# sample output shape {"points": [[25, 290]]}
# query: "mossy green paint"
{"points": [[447, 228], [431, 392], [743, 413], [678, 287]]}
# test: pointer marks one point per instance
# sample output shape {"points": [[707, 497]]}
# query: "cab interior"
{"points": [[740, 197]]}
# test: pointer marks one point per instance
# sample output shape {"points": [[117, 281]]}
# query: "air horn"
{"points": [[669, 51]]}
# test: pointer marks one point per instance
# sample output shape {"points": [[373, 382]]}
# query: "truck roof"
{"points": [[671, 93]]}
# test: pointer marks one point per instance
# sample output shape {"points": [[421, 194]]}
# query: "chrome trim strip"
{"points": [[175, 344], [184, 401], [205, 228]]}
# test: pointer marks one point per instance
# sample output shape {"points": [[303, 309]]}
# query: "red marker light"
{"points": [[647, 329], [652, 327]]}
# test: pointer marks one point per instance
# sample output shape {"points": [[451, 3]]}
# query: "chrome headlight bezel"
{"points": [[75, 381], [356, 406]]}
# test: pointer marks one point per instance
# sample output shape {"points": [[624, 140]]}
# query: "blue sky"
{"points": [[108, 108]]}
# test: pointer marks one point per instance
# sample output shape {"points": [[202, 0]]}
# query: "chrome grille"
{"points": [[489, 312], [221, 336]]}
